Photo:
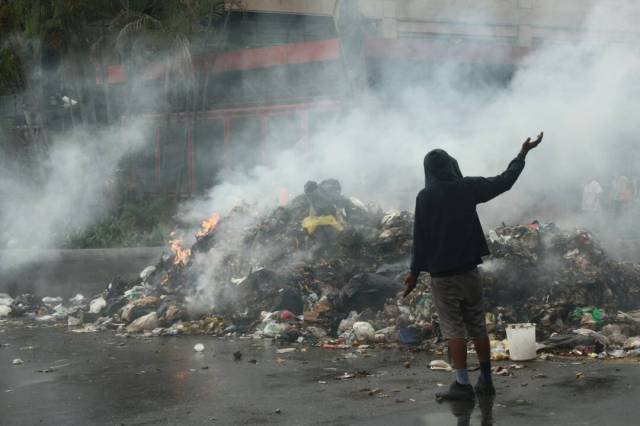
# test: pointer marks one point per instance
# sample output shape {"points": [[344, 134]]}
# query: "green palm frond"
{"points": [[181, 59], [134, 27], [96, 47]]}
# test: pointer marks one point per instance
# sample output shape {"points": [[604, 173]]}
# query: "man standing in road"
{"points": [[448, 243]]}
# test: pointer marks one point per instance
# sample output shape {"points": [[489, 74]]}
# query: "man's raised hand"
{"points": [[528, 145]]}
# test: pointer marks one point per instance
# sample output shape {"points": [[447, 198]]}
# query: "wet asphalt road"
{"points": [[67, 272], [103, 379]]}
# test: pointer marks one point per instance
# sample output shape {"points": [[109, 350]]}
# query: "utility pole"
{"points": [[352, 36]]}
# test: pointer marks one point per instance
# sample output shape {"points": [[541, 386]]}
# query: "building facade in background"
{"points": [[288, 66]]}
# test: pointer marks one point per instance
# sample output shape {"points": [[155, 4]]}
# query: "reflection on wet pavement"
{"points": [[463, 410]]}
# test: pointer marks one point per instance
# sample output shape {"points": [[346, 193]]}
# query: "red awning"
{"points": [[329, 50], [294, 53]]}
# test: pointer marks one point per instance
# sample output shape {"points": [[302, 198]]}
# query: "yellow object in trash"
{"points": [[310, 223]]}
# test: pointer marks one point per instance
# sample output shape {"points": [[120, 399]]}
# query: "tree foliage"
{"points": [[40, 33]]}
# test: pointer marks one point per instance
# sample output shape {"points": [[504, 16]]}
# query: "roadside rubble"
{"points": [[582, 301], [327, 270], [439, 365], [5, 305]]}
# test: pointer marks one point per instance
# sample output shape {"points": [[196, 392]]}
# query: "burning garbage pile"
{"points": [[293, 273], [556, 278], [326, 269], [581, 300]]}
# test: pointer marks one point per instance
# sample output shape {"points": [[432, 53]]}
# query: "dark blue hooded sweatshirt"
{"points": [[447, 236]]}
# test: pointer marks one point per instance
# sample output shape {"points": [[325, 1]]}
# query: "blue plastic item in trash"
{"points": [[410, 335]]}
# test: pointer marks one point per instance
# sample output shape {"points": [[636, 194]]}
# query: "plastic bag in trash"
{"points": [[97, 305], [364, 331], [144, 323], [311, 223]]}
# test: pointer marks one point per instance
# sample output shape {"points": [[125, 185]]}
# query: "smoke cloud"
{"points": [[70, 188], [580, 92]]}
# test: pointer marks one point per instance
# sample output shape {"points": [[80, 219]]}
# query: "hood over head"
{"points": [[440, 167]]}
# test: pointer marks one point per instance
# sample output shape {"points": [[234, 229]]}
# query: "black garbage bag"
{"points": [[289, 336], [333, 188], [396, 271], [571, 341], [25, 304], [117, 287], [262, 290], [367, 291], [322, 201], [172, 309], [289, 299], [114, 304]]}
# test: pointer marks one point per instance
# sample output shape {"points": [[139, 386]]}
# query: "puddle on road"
{"points": [[587, 382]]}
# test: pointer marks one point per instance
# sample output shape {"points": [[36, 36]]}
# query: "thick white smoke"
{"points": [[582, 93], [73, 189]]}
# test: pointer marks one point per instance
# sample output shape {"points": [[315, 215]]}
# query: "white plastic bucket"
{"points": [[522, 341]]}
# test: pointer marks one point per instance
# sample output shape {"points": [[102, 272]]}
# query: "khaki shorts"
{"points": [[458, 300]]}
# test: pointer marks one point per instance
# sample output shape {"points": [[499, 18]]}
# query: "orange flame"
{"points": [[208, 226], [180, 255]]}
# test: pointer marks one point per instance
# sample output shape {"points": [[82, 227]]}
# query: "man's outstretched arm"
{"points": [[485, 189]]}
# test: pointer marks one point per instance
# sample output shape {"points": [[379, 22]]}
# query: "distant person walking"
{"points": [[448, 243], [591, 194], [591, 204], [623, 198]]}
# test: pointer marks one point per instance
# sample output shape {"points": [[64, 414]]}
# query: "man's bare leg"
{"points": [[483, 349], [458, 351]]}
